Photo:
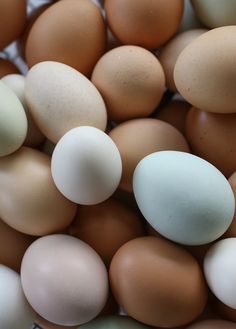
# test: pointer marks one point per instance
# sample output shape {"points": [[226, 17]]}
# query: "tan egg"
{"points": [[157, 282], [12, 20], [107, 226], [144, 23], [140, 137], [212, 137], [44, 324], [213, 324], [205, 71], [231, 232], [70, 31], [29, 200], [13, 245], [131, 81], [175, 114], [7, 67], [171, 51]]}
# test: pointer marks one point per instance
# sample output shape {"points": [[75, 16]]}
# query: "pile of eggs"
{"points": [[118, 165]]}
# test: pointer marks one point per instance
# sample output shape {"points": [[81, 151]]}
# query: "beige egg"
{"points": [[29, 200]]}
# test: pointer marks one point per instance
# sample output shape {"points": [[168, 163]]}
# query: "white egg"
{"points": [[220, 270], [183, 197], [86, 165], [15, 312]]}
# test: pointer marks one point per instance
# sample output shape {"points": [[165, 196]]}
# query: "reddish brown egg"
{"points": [[212, 137], [157, 282], [7, 67], [231, 232], [107, 226]]}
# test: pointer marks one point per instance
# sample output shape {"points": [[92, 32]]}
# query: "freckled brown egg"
{"points": [[139, 137], [212, 137], [157, 282], [144, 23], [29, 199], [231, 232], [131, 81], [7, 67], [107, 226], [70, 31], [12, 20]]}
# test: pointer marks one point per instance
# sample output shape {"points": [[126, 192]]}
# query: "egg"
{"points": [[7, 67], [205, 71], [231, 232], [212, 137], [16, 83], [215, 13], [139, 137], [86, 166], [29, 200], [131, 81], [166, 277], [144, 23], [12, 20], [70, 31], [64, 280], [107, 226], [60, 98], [115, 321], [213, 324], [44, 324], [189, 20], [171, 51], [224, 311], [185, 198], [13, 121], [15, 310]]}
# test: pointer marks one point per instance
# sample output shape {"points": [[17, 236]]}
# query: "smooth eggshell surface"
{"points": [[183, 197], [61, 98], [158, 282], [213, 324], [64, 280], [205, 71], [114, 322], [86, 165]]}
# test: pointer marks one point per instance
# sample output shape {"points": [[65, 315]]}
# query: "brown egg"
{"points": [[12, 20], [170, 52], [213, 324], [157, 282], [107, 226], [71, 32], [44, 324], [175, 113], [212, 137], [225, 311], [144, 23], [137, 138], [29, 199], [7, 67], [13, 245], [131, 81], [231, 232]]}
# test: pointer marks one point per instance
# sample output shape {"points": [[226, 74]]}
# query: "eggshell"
{"points": [[86, 165], [12, 20], [183, 197], [107, 226], [16, 83], [224, 311], [189, 19], [220, 270], [158, 282], [231, 232], [29, 200], [205, 71], [70, 31], [13, 121], [171, 51], [7, 67], [114, 322], [137, 138], [213, 324], [144, 23], [212, 137], [15, 310], [60, 98], [131, 81], [215, 13], [44, 324], [71, 276]]}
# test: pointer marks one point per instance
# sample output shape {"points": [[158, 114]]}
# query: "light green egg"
{"points": [[13, 121], [114, 322]]}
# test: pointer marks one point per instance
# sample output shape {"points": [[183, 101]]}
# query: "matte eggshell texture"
{"points": [[205, 71], [86, 165], [213, 324], [61, 98], [64, 280], [114, 322], [13, 121], [15, 310], [183, 197]]}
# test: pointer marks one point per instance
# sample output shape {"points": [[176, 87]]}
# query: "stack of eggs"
{"points": [[118, 165]]}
